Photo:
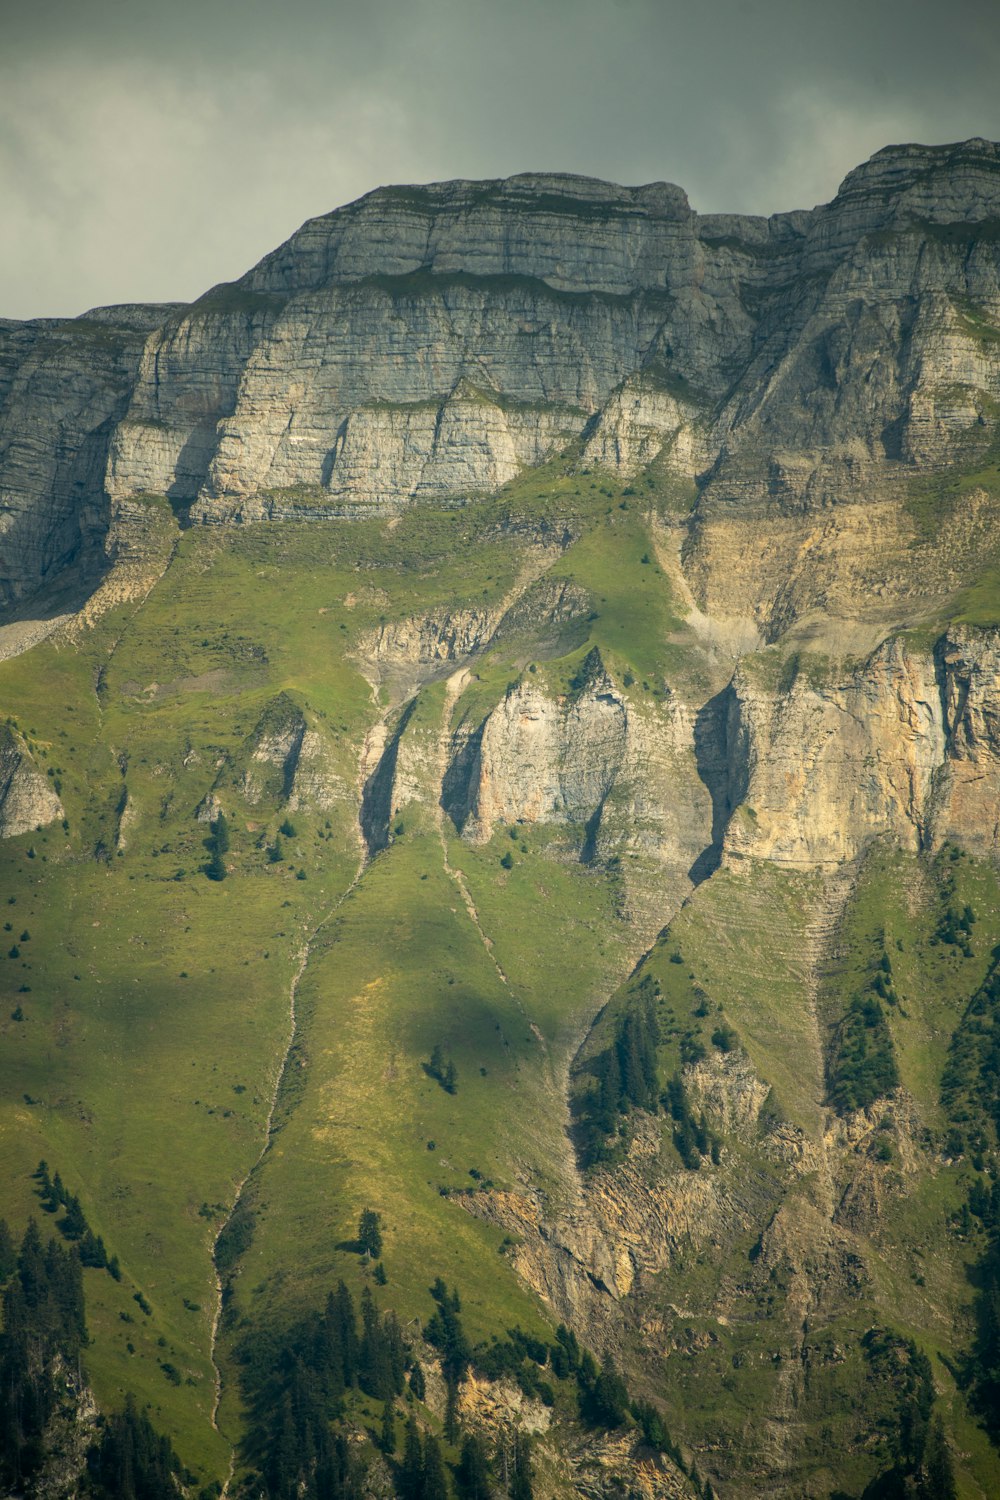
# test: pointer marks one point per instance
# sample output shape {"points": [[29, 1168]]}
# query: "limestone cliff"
{"points": [[902, 747], [28, 799], [428, 343]]}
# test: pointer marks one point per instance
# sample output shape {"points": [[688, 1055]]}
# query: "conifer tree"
{"points": [[370, 1234], [435, 1474], [411, 1468], [8, 1255], [387, 1436], [473, 1473], [520, 1483]]}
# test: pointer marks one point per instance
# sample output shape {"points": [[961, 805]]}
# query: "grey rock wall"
{"points": [[429, 343]]}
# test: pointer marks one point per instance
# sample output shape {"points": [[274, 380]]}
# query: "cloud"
{"points": [[149, 151]]}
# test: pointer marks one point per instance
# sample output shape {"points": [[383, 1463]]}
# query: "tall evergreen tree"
{"points": [[411, 1468], [472, 1476], [370, 1234], [8, 1254], [939, 1469], [435, 1474], [521, 1478], [387, 1435]]}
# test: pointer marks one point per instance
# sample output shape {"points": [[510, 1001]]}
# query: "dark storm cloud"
{"points": [[149, 150]]}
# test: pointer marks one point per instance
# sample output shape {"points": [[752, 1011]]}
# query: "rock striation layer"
{"points": [[427, 343]]}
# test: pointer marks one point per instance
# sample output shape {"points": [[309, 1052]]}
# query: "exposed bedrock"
{"points": [[28, 800], [799, 760], [429, 343]]}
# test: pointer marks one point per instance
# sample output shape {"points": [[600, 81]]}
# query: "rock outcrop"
{"points": [[828, 759], [591, 761], [64, 387], [968, 806], [801, 761], [285, 762], [28, 799], [644, 421]]}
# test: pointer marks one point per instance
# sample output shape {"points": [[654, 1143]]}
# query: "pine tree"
{"points": [[451, 1428], [435, 1476], [411, 1468], [218, 844], [609, 1399], [92, 1251], [938, 1466], [8, 1255], [346, 1327], [370, 1234], [387, 1436], [473, 1473], [521, 1486], [73, 1223]]}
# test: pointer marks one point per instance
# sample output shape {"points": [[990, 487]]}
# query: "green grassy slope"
{"points": [[156, 1002], [158, 1005]]}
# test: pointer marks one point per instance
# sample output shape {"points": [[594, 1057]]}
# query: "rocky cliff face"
{"points": [[901, 747], [800, 761], [429, 343], [64, 386], [618, 779]]}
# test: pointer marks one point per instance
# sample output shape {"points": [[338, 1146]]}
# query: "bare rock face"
{"points": [[818, 770], [592, 763], [643, 421], [801, 761], [825, 760], [413, 648], [472, 442], [285, 762], [64, 385], [273, 752], [427, 343], [968, 808], [27, 798]]}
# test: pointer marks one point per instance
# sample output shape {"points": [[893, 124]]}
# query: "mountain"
{"points": [[502, 732]]}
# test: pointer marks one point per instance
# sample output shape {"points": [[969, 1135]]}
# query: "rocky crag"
{"points": [[430, 343]]}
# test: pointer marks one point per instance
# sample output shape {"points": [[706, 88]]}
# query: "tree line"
{"points": [[73, 1225], [298, 1387]]}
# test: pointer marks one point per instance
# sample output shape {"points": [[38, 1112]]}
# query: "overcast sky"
{"points": [[150, 148]]}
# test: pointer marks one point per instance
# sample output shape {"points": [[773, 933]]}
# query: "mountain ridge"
{"points": [[211, 409]]}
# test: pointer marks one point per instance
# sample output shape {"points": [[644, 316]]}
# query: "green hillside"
{"points": [[228, 1071]]}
